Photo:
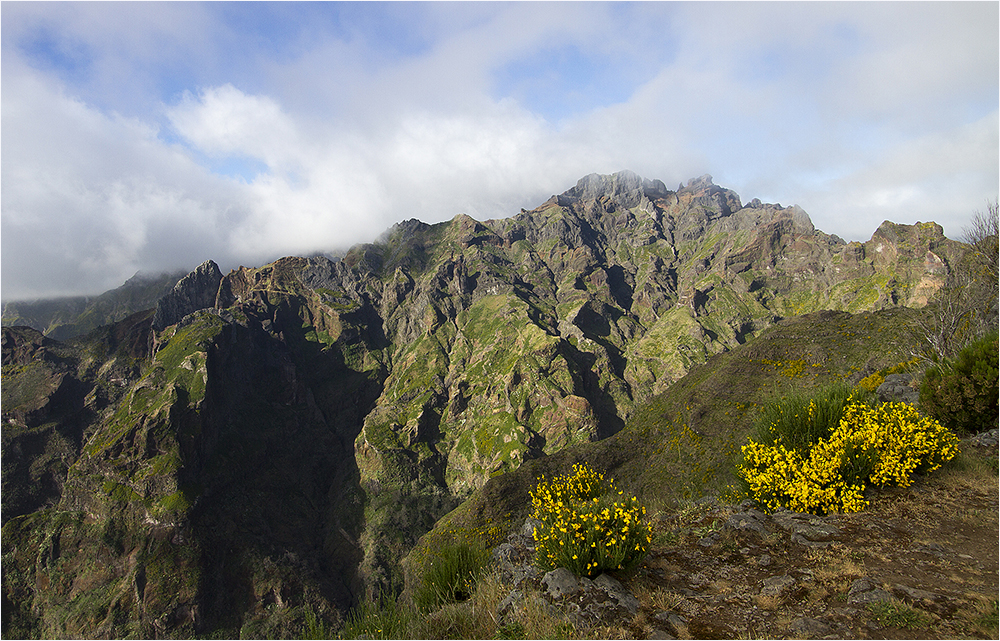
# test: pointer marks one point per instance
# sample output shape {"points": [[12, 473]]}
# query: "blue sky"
{"points": [[152, 136]]}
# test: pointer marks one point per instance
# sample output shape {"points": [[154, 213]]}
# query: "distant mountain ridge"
{"points": [[285, 433], [66, 317]]}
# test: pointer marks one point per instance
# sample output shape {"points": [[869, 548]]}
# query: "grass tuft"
{"points": [[896, 614], [450, 575]]}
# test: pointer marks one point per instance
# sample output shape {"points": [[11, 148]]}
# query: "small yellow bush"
{"points": [[871, 382], [586, 526], [881, 445]]}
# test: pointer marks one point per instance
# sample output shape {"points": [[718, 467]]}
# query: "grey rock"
{"points": [[808, 628], [514, 558], [897, 388], [751, 520], [933, 548], [617, 592], [915, 593], [198, 290], [674, 623], [510, 603], [528, 529], [625, 189], [560, 582], [806, 529], [707, 542], [777, 585], [764, 560], [931, 601], [863, 591]]}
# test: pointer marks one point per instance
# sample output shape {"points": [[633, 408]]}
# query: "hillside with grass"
{"points": [[916, 559], [264, 451]]}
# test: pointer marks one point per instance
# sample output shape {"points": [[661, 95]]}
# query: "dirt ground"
{"points": [[921, 562]]}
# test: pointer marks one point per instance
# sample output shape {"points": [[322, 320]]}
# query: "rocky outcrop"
{"points": [[898, 388], [198, 290], [718, 570], [584, 602]]}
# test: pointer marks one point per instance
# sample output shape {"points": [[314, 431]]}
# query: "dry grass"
{"points": [[835, 565], [980, 620], [472, 619], [656, 598], [615, 632], [767, 602]]}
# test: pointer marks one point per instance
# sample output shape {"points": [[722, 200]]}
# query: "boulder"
{"points": [[897, 388], [864, 591], [806, 529]]}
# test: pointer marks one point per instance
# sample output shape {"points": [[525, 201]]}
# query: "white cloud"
{"points": [[89, 198], [226, 121], [859, 112], [939, 177]]}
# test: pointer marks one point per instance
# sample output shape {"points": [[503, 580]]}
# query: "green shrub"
{"points": [[315, 626], [962, 394], [896, 614], [450, 575], [587, 526]]}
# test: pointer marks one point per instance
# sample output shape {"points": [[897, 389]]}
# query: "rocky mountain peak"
{"points": [[701, 182], [625, 189], [195, 291]]}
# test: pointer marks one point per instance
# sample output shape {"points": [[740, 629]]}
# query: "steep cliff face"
{"points": [[209, 483], [278, 437]]}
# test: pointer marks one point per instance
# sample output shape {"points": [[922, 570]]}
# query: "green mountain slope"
{"points": [[683, 443], [278, 438]]}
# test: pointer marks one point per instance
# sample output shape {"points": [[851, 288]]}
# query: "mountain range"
{"points": [[283, 435]]}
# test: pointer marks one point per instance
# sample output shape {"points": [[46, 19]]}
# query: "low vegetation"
{"points": [[833, 448], [962, 392], [450, 575], [961, 497]]}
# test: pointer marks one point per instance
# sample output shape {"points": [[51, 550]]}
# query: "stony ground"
{"points": [[920, 563]]}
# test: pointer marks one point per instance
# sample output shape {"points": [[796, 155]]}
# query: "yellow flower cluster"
{"points": [[881, 445], [870, 383], [586, 527], [900, 441]]}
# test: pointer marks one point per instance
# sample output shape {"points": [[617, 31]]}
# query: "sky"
{"points": [[153, 136]]}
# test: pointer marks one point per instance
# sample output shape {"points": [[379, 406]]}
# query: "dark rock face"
{"points": [[197, 290]]}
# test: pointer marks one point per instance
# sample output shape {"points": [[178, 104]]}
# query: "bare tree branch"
{"points": [[966, 306]]}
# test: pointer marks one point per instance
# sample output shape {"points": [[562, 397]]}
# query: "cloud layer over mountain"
{"points": [[155, 135]]}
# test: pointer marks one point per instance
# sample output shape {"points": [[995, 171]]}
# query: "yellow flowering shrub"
{"points": [[871, 382], [882, 445], [586, 525]]}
